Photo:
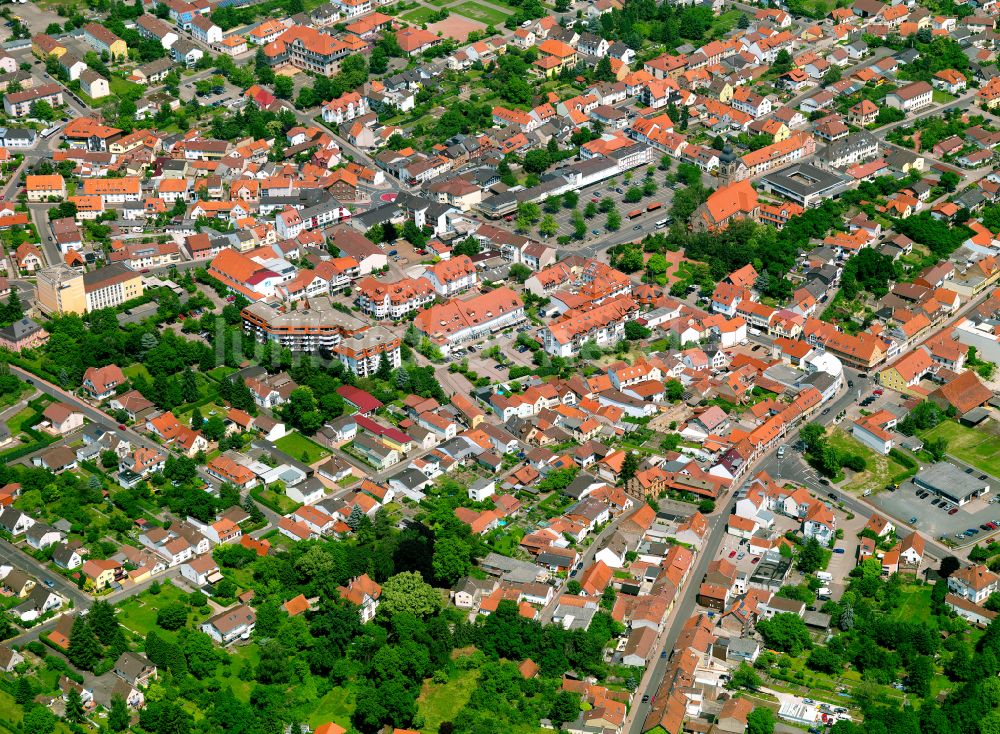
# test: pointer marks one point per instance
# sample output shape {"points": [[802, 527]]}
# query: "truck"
{"points": [[634, 213]]}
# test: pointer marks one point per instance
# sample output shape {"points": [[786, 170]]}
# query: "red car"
{"points": [[121, 426], [732, 553], [877, 392], [755, 559], [953, 510]]}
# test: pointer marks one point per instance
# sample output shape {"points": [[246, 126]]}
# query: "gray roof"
{"points": [[948, 478]]}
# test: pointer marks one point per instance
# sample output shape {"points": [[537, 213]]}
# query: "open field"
{"points": [[418, 15], [978, 447], [138, 614], [880, 469], [336, 706], [442, 701], [484, 14]]}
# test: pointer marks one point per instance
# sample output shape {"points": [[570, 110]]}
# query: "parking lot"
{"points": [[937, 523]]}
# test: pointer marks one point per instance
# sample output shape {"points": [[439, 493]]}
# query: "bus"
{"points": [[662, 223], [635, 213], [654, 206]]}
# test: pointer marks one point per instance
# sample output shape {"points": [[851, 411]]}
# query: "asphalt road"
{"points": [[682, 612], [14, 556]]}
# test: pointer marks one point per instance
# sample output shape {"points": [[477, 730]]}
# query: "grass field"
{"points": [[10, 713], [442, 701], [299, 447], [483, 14], [916, 606], [978, 447], [138, 613], [336, 706], [942, 97], [881, 469], [418, 15]]}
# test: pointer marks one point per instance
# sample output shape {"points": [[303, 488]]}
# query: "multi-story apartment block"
{"points": [[394, 300], [362, 353]]}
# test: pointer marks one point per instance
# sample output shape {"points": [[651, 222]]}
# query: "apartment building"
{"points": [[59, 290], [19, 104], [362, 352], [317, 327], [394, 300], [345, 108], [141, 256], [911, 97], [104, 41], [456, 321], [603, 325], [113, 190], [453, 276], [43, 188]]}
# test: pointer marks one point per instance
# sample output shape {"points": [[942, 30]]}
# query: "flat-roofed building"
{"points": [[318, 326]]}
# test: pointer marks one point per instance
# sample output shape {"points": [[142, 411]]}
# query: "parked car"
{"points": [[732, 553], [838, 551], [913, 519], [953, 510]]}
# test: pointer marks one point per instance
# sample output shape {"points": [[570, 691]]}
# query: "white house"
{"points": [[974, 583], [231, 624]]}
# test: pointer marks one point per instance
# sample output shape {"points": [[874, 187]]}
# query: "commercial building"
{"points": [[948, 481], [111, 287], [805, 184], [60, 289]]}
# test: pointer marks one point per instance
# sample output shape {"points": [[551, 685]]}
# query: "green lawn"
{"points": [[942, 97], [881, 469], [11, 398], [18, 419], [219, 372], [134, 370], [916, 606], [299, 447], [121, 86], [418, 16], [10, 713], [442, 701], [138, 613], [278, 502], [336, 706], [483, 14], [978, 447]]}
